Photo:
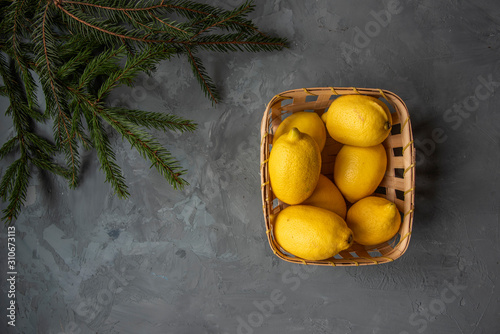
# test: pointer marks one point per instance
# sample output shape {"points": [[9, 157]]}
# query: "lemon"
{"points": [[327, 196], [311, 233], [324, 117], [373, 220], [358, 171], [294, 166], [307, 122], [358, 120]]}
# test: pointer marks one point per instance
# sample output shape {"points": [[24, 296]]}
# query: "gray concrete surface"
{"points": [[197, 261]]}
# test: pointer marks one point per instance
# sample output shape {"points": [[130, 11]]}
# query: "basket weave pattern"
{"points": [[397, 186]]}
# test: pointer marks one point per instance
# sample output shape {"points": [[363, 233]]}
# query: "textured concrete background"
{"points": [[197, 260]]}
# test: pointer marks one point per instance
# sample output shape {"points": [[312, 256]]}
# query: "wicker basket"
{"points": [[398, 184]]}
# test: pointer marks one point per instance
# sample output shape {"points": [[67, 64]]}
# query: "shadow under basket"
{"points": [[397, 186]]}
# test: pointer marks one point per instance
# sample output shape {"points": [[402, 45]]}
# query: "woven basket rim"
{"points": [[386, 251]]}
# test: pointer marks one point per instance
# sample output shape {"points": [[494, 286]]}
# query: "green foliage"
{"points": [[80, 51]]}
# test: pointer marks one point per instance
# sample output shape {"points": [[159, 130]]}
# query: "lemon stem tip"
{"points": [[294, 134], [387, 125]]}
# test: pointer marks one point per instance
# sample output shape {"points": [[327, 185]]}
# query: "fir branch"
{"points": [[15, 181], [102, 30], [41, 153], [41, 144], [45, 49], [239, 42], [77, 127], [74, 64], [27, 88], [46, 56], [46, 162], [206, 16], [152, 120], [68, 145], [9, 178], [143, 62], [18, 109], [188, 9], [126, 123], [102, 64], [9, 146], [122, 8], [80, 51], [228, 19], [206, 83], [147, 146], [15, 25], [171, 27], [105, 154]]}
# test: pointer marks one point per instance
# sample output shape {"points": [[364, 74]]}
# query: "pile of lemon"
{"points": [[317, 225]]}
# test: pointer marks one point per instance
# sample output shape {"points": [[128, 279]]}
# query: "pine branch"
{"points": [[18, 109], [147, 146], [106, 155], [41, 153], [123, 6], [143, 62], [231, 20], [102, 64], [45, 49], [45, 161], [41, 144], [78, 52], [77, 127], [14, 25], [13, 184], [239, 42], [204, 15], [127, 123], [90, 109], [74, 64], [9, 178], [17, 184], [206, 83], [152, 120], [104, 31], [9, 146]]}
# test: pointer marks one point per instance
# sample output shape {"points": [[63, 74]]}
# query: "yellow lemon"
{"points": [[327, 196], [324, 117], [359, 170], [311, 233], [373, 220], [358, 120], [294, 166], [306, 122]]}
